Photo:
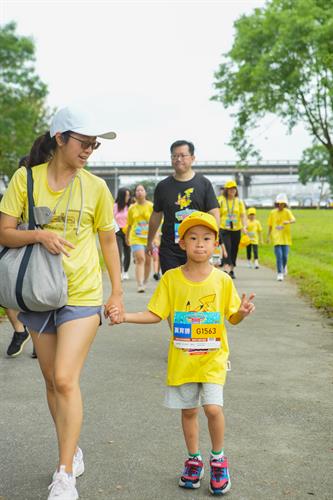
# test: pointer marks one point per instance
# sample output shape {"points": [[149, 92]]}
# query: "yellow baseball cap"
{"points": [[198, 219], [230, 184], [251, 211], [244, 241]]}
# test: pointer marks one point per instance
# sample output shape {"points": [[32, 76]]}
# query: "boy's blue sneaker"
{"points": [[193, 472], [219, 476]]}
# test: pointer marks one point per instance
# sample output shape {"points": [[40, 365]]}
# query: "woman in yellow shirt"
{"points": [[137, 234], [81, 207], [233, 221], [279, 221]]}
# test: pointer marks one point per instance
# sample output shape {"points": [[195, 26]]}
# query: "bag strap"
{"points": [[31, 204], [28, 250]]}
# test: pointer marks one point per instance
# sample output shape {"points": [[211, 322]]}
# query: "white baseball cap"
{"points": [[82, 122], [281, 198]]}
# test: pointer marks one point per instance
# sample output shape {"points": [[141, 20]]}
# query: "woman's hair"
{"points": [[121, 198], [225, 192], [43, 149]]}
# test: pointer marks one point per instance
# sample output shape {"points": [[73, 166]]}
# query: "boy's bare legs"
{"points": [[194, 469], [190, 426], [219, 472], [215, 417]]}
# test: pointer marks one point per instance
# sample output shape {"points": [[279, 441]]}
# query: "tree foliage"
{"points": [[315, 166], [281, 62], [23, 114]]}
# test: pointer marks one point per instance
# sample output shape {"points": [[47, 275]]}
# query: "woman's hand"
{"points": [[114, 308], [54, 243], [114, 315]]}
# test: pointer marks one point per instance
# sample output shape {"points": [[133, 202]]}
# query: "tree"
{"points": [[281, 62], [315, 166], [23, 114]]}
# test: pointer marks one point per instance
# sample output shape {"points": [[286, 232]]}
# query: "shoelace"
{"points": [[60, 484], [218, 472], [191, 470]]}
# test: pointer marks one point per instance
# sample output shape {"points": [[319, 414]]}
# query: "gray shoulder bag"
{"points": [[31, 278]]}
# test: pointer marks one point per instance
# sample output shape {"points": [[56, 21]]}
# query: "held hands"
{"points": [[54, 243], [247, 307], [113, 314], [114, 310]]}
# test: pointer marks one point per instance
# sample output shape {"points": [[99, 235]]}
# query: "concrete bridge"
{"points": [[112, 171]]}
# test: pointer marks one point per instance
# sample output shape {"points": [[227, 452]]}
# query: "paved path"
{"points": [[278, 406]]}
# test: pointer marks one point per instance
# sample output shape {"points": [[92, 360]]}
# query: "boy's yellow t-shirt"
{"points": [[253, 229], [178, 297], [281, 233], [231, 211], [138, 219], [82, 267]]}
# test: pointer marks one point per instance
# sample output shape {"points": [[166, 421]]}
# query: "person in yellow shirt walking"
{"points": [[254, 232], [80, 209], [279, 233], [137, 235], [232, 223], [197, 298]]}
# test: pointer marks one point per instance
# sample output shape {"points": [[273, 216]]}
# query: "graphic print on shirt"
{"points": [[183, 201], [198, 329]]}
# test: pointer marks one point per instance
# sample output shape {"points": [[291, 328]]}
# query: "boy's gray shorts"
{"points": [[193, 395], [49, 321]]}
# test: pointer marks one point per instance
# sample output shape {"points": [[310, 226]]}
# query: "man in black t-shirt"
{"points": [[174, 199]]}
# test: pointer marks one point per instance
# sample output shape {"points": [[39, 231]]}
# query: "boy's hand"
{"points": [[247, 307]]}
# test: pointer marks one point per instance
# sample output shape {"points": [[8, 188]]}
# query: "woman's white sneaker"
{"points": [[63, 486], [78, 464], [279, 277]]}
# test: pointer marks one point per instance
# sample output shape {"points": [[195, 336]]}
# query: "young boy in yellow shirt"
{"points": [[254, 231], [198, 298]]}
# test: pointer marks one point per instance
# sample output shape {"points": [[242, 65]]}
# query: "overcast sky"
{"points": [[150, 65]]}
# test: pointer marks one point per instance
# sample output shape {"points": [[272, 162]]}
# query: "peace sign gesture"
{"points": [[247, 307]]}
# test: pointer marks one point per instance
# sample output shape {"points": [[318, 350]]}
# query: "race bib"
{"points": [[180, 216], [197, 330], [141, 229], [216, 257], [231, 221]]}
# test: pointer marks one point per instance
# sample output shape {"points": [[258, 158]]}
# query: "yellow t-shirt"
{"points": [[138, 219], [281, 233], [230, 212], [82, 268], [196, 306], [253, 229]]}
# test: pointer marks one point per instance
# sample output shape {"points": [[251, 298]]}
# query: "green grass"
{"points": [[310, 260]]}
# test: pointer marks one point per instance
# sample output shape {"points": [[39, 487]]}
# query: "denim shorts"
{"points": [[193, 395], [136, 248], [49, 321]]}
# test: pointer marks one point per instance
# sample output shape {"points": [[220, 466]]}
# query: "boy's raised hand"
{"points": [[247, 307]]}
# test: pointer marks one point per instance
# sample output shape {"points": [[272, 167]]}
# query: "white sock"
{"points": [[218, 455]]}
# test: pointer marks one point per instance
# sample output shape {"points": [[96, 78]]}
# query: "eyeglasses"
{"points": [[181, 156], [86, 144]]}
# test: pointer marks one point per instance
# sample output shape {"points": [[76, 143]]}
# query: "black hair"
{"points": [[225, 192], [177, 144], [121, 198], [43, 149]]}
